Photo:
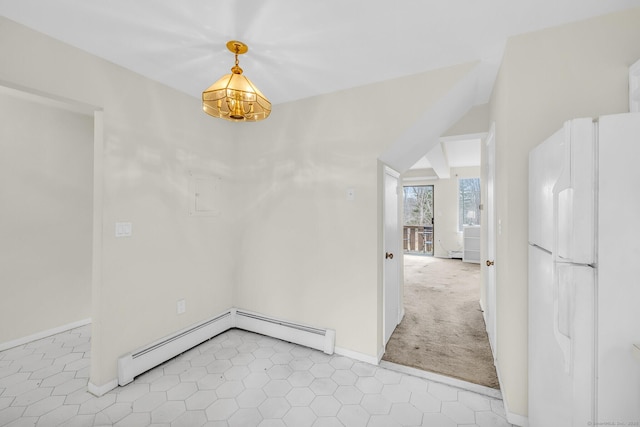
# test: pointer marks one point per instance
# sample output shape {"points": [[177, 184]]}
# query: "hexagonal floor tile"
{"points": [[425, 402], [245, 417], [274, 407], [299, 417], [348, 395], [221, 409], [251, 398], [353, 416], [300, 396], [458, 412], [325, 406], [376, 404]]}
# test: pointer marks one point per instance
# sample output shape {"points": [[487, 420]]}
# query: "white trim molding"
{"points": [[512, 417], [450, 381], [372, 360], [43, 334], [100, 390]]}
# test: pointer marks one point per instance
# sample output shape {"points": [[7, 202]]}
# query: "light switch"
{"points": [[123, 229]]}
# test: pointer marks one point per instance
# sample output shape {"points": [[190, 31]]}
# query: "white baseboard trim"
{"points": [[43, 334], [356, 355], [102, 389], [512, 417], [453, 382]]}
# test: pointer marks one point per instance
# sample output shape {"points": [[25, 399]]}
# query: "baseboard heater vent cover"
{"points": [[148, 357], [133, 364], [320, 339]]}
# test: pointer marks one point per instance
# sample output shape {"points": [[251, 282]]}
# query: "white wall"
{"points": [[446, 234], [546, 78], [46, 182], [153, 136], [287, 243], [308, 254]]}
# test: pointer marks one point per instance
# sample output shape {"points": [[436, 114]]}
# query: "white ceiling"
{"points": [[462, 153], [458, 153], [297, 48]]}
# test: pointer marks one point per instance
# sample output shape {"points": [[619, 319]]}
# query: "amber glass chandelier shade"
{"points": [[234, 97]]}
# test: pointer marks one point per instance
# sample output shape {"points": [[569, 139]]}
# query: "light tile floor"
{"points": [[235, 379]]}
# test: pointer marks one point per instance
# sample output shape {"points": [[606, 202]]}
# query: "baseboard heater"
{"points": [[320, 339], [141, 360]]}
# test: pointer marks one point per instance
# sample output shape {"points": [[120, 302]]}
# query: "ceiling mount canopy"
{"points": [[234, 97]]}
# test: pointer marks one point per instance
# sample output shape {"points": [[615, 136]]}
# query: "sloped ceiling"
{"points": [[297, 49], [300, 49]]}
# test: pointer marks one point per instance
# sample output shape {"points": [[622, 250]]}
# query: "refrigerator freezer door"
{"points": [[563, 309], [550, 386], [618, 283], [577, 296], [574, 196], [545, 166], [561, 372]]}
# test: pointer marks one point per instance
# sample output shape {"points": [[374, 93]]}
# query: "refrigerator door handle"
{"points": [[564, 225], [573, 196], [562, 311], [563, 204]]}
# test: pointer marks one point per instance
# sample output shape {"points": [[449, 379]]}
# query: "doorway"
{"points": [[418, 212], [443, 330], [47, 219]]}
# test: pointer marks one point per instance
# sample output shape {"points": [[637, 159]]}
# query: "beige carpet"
{"points": [[443, 330]]}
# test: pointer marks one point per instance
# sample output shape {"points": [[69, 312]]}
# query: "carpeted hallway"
{"points": [[443, 330]]}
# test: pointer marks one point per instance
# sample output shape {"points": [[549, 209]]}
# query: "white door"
{"points": [[490, 275], [391, 255]]}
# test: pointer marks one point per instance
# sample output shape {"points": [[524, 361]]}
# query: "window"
{"points": [[468, 202], [418, 205], [418, 219]]}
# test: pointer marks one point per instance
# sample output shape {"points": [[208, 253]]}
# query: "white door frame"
{"points": [[391, 289], [488, 265]]}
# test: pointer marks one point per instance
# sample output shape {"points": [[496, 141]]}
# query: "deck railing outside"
{"points": [[417, 238]]}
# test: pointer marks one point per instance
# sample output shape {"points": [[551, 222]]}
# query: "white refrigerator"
{"points": [[584, 274]]}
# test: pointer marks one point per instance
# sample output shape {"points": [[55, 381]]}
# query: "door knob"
{"points": [[388, 255], [490, 263]]}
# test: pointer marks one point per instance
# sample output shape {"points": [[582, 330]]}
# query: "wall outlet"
{"points": [[181, 306]]}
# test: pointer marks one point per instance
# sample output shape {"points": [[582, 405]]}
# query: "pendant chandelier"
{"points": [[234, 97]]}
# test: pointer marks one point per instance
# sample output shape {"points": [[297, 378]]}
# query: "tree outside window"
{"points": [[468, 202], [418, 205]]}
